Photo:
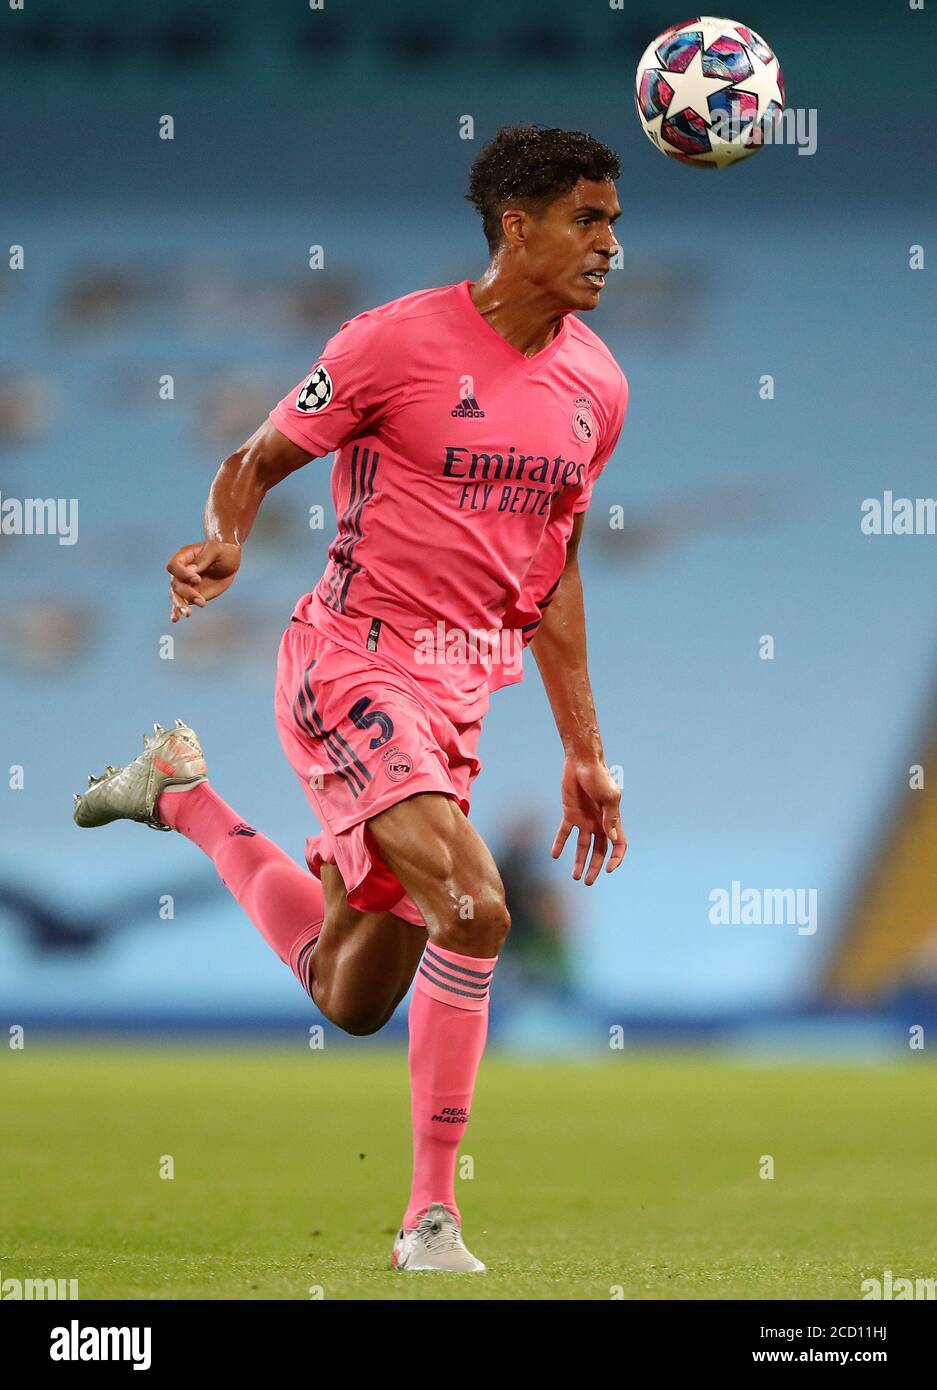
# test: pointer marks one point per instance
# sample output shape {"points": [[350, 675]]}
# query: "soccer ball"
{"points": [[708, 90]]}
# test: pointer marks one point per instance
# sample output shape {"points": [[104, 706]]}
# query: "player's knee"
{"points": [[479, 927], [495, 921]]}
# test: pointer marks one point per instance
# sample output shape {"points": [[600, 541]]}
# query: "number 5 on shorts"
{"points": [[363, 718]]}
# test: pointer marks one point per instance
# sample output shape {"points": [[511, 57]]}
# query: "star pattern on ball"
{"points": [[688, 86], [765, 85]]}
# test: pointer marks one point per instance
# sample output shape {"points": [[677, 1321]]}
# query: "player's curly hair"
{"points": [[533, 165]]}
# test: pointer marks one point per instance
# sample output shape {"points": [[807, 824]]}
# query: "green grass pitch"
{"points": [[634, 1176]]}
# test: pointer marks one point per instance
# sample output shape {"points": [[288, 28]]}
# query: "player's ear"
{"points": [[515, 223]]}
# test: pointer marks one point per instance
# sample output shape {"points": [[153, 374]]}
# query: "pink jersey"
{"points": [[460, 466]]}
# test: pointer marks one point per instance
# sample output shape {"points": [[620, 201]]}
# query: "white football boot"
{"points": [[435, 1247], [171, 758]]}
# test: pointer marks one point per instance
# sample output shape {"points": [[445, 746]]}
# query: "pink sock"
{"points": [[448, 1026], [284, 902]]}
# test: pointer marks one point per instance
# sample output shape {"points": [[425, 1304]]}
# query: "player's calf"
{"points": [[363, 963], [352, 1016]]}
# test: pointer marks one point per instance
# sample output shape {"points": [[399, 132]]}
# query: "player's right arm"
{"points": [[205, 569], [362, 372]]}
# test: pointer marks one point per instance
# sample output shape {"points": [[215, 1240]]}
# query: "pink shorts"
{"points": [[361, 735]]}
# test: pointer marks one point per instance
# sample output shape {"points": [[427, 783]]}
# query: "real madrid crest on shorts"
{"points": [[316, 391]]}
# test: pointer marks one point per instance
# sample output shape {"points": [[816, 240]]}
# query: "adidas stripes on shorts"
{"points": [[361, 735]]}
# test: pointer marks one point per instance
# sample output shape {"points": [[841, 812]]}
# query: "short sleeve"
{"points": [[606, 448], [348, 389]]}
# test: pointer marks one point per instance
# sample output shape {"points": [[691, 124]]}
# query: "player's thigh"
{"points": [[364, 962], [446, 867]]}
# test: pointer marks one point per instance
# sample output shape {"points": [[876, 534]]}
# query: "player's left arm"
{"points": [[589, 793]]}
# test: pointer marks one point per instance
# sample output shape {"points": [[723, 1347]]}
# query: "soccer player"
{"points": [[469, 425]]}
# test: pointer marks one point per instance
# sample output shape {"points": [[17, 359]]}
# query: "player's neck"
{"points": [[514, 309]]}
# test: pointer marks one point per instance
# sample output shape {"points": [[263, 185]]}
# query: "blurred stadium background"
{"points": [[188, 257]]}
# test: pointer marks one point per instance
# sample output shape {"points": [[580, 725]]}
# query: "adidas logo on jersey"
{"points": [[468, 409]]}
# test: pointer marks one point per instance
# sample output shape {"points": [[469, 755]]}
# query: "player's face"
{"points": [[571, 244]]}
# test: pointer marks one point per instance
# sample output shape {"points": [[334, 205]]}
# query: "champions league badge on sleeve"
{"points": [[315, 392]]}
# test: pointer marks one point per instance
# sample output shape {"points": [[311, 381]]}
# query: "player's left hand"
{"points": [[590, 806]]}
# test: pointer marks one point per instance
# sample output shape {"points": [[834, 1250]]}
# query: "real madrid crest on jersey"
{"points": [[583, 419], [316, 391]]}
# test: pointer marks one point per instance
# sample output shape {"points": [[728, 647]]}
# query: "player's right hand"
{"points": [[199, 572]]}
